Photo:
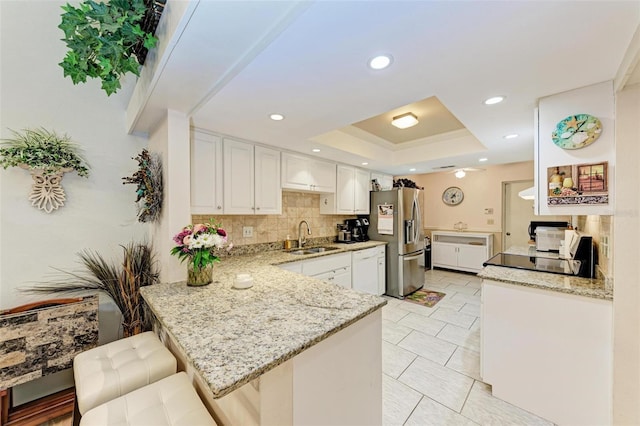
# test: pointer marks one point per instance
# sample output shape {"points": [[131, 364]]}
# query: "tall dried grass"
{"points": [[121, 282]]}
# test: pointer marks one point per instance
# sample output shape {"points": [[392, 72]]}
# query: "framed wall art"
{"points": [[578, 184]]}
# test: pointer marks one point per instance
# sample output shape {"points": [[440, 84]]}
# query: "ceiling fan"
{"points": [[462, 172]]}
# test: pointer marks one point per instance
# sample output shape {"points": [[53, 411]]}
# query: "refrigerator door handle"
{"points": [[415, 213], [406, 259]]}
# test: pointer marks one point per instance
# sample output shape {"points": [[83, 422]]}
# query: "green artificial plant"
{"points": [[102, 39], [42, 149]]}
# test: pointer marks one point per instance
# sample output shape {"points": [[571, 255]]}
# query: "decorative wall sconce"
{"points": [[48, 157]]}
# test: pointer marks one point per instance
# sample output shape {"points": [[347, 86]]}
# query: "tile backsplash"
{"points": [[599, 227], [296, 206]]}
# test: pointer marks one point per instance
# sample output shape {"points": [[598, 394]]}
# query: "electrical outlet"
{"points": [[604, 245], [247, 231], [489, 221]]}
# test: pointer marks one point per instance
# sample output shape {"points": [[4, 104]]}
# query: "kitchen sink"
{"points": [[312, 250]]}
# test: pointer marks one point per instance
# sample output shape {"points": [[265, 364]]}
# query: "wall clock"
{"points": [[452, 196], [577, 131]]}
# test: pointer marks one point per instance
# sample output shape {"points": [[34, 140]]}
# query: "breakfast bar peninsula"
{"points": [[289, 350]]}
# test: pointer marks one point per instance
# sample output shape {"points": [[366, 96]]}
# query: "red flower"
{"points": [[221, 232]]}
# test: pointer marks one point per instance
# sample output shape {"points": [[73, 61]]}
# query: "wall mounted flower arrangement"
{"points": [[148, 178], [48, 157]]}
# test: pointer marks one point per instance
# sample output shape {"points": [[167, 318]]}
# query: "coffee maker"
{"points": [[359, 229]]}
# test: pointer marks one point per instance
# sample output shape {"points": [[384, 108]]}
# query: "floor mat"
{"points": [[425, 297]]}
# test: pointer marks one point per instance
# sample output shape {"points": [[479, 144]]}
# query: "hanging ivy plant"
{"points": [[42, 149], [103, 39], [148, 178]]}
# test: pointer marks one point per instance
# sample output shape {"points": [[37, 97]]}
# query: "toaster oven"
{"points": [[548, 238]]}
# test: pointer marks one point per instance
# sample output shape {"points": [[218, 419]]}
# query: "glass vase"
{"points": [[199, 276]]}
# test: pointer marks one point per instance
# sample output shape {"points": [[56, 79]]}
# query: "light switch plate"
{"points": [[247, 231]]}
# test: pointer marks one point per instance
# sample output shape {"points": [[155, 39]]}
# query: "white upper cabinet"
{"points": [[206, 174], [268, 194], [251, 179], [352, 192], [304, 173], [362, 186]]}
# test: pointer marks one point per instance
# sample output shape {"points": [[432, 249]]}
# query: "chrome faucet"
{"points": [[301, 238]]}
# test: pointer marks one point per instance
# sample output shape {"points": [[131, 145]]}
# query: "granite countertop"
{"points": [[595, 288], [233, 336]]}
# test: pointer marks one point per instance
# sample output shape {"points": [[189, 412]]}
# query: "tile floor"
{"points": [[431, 361]]}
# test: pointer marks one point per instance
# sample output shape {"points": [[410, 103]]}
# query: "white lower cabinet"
{"points": [[362, 270], [382, 271], [464, 251], [548, 353], [366, 270], [335, 268]]}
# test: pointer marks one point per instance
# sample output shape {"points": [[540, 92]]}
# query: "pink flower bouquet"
{"points": [[199, 243]]}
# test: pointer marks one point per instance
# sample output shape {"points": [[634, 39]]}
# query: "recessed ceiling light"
{"points": [[365, 164], [494, 100], [511, 136], [404, 121], [315, 150], [412, 170], [380, 62], [482, 159], [276, 117], [460, 174]]}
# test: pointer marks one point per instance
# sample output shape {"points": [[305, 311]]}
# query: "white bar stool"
{"points": [[112, 370], [169, 402]]}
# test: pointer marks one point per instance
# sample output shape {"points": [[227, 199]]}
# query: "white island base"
{"points": [[338, 381], [547, 352]]}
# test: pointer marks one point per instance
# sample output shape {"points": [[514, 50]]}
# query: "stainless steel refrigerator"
{"points": [[396, 217]]}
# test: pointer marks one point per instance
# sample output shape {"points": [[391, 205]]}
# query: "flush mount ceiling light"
{"points": [[460, 174], [404, 121], [511, 136], [494, 100], [365, 164], [315, 150], [380, 62], [412, 169], [482, 159], [276, 117]]}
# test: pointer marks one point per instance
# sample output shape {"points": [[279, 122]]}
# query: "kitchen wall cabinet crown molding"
{"points": [[597, 100], [464, 251], [303, 173]]}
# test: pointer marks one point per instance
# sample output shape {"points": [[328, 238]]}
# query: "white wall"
{"points": [[99, 213], [171, 140], [626, 295]]}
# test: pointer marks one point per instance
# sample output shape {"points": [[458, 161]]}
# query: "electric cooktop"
{"points": [[540, 264]]}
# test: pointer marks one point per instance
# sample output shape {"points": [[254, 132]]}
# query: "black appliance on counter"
{"points": [[582, 262], [359, 229], [583, 250], [534, 224]]}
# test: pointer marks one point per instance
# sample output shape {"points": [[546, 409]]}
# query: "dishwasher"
{"points": [[365, 271]]}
